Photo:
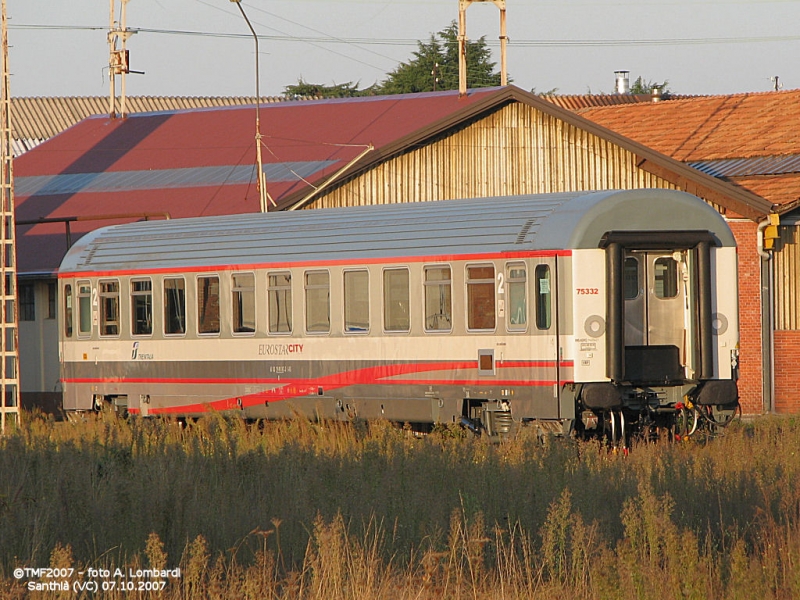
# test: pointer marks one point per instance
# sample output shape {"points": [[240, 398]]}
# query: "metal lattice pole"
{"points": [[9, 333]]}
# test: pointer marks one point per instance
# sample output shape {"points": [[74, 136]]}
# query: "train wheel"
{"points": [[686, 421]]}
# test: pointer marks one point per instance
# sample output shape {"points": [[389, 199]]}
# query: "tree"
{"points": [[316, 90], [640, 86], [435, 66]]}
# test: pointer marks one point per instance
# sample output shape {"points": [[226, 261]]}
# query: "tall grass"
{"points": [[322, 510]]}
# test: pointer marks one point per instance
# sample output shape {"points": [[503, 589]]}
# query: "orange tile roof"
{"points": [[710, 127], [779, 189]]}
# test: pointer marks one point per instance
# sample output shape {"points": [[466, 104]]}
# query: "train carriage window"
{"points": [[356, 301], [666, 277], [517, 297], [395, 300], [109, 308], [438, 299], [480, 298], [244, 302], [208, 304], [543, 297], [141, 307], [280, 302], [318, 302], [84, 308], [630, 277], [174, 306], [68, 310]]}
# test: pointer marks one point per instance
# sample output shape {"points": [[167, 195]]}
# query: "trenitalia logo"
{"points": [[140, 355]]}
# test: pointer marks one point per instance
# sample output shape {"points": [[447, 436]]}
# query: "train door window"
{"points": [[543, 297], [630, 278], [318, 302], [27, 302], [480, 298], [68, 310], [395, 300], [666, 277], [438, 299], [244, 302], [208, 304], [280, 302], [141, 307], [174, 306], [517, 297], [84, 308], [109, 308], [356, 301]]}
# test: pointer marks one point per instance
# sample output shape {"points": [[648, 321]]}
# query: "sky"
{"points": [[204, 47]]}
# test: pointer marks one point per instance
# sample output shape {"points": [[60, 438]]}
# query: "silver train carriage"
{"points": [[602, 311]]}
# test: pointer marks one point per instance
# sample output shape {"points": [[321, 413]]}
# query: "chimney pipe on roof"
{"points": [[655, 93], [622, 82]]}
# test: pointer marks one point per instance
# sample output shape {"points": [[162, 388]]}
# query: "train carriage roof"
{"points": [[446, 228]]}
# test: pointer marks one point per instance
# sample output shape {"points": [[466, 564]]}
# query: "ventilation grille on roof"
{"points": [[523, 233]]}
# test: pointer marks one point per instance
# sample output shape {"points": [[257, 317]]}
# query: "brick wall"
{"points": [[787, 371], [750, 391]]}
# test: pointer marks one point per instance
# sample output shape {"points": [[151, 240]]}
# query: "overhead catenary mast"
{"points": [[118, 64], [9, 334], [463, 5]]}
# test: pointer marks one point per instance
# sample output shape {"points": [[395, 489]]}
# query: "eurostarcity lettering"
{"points": [[279, 349]]}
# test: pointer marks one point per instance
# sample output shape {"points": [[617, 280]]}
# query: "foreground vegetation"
{"points": [[305, 510]]}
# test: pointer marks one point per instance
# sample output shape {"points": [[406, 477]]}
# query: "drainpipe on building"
{"points": [[764, 241]]}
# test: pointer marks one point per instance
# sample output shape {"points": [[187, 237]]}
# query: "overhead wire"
{"points": [[411, 42]]}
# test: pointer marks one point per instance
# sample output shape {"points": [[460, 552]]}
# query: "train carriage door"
{"points": [[658, 322], [544, 336]]}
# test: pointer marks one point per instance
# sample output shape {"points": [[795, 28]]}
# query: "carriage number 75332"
{"points": [[587, 291]]}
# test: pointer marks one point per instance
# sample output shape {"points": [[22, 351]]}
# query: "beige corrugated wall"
{"points": [[515, 150]]}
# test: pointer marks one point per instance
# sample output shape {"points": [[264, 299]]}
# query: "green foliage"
{"points": [[304, 89], [434, 66], [640, 86]]}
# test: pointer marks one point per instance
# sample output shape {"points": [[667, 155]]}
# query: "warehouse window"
{"points": [[109, 308], [438, 299], [318, 302], [84, 308], [174, 306], [395, 300], [244, 302], [517, 299], [480, 298], [208, 304], [27, 302], [52, 294], [141, 307], [280, 302], [543, 297], [68, 310], [356, 301]]}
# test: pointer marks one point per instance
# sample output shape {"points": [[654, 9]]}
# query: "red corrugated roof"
{"points": [[319, 137]]}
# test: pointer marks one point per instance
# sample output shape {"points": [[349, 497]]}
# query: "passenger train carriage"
{"points": [[594, 310]]}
